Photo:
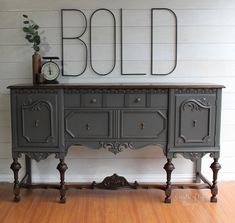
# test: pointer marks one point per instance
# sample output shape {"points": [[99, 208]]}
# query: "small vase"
{"points": [[36, 62]]}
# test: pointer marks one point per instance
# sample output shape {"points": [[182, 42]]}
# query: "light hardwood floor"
{"points": [[120, 206]]}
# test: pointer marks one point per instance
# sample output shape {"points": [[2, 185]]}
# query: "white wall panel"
{"points": [[131, 52], [5, 102], [185, 69], [5, 134], [136, 4], [206, 53], [5, 119], [5, 151], [186, 35], [98, 168]]}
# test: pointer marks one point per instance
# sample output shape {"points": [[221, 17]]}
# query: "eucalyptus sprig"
{"points": [[31, 30]]}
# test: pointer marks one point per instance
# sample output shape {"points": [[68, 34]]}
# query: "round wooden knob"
{"points": [[93, 100], [137, 100]]}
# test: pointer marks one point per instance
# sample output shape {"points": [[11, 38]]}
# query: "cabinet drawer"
{"points": [[91, 100], [195, 120], [135, 100], [72, 100], [159, 100], [144, 124], [114, 100], [85, 124]]}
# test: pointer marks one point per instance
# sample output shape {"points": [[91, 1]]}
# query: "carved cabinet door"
{"points": [[194, 120], [144, 124], [37, 120], [82, 124]]}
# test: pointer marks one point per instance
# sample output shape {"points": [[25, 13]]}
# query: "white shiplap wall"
{"points": [[206, 53]]}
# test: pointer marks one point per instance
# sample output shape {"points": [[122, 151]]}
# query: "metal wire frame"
{"points": [[176, 40], [77, 37], [114, 41], [121, 49]]}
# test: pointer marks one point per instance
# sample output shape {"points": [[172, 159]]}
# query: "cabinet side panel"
{"points": [[218, 117], [13, 122]]}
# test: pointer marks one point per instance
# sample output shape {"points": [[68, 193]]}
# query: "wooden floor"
{"points": [[120, 206]]}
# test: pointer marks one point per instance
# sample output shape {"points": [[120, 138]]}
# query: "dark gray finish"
{"points": [[114, 100], [198, 169], [144, 124], [86, 124], [37, 118], [36, 126], [91, 100], [183, 119], [135, 100], [194, 120]]}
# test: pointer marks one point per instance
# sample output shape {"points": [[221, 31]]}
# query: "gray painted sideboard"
{"points": [[180, 118]]}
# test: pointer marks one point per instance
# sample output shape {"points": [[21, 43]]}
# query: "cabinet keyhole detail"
{"points": [[142, 126], [194, 123], [36, 123], [88, 127]]}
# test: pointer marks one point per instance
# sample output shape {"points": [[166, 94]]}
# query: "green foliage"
{"points": [[31, 30]]}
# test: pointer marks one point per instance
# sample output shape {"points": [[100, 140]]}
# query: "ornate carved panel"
{"points": [[194, 121], [195, 91], [37, 121], [37, 155], [114, 182], [115, 91], [87, 124], [116, 147], [144, 124], [193, 156]]}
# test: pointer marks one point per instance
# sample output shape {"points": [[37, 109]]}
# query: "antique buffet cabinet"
{"points": [[180, 118]]}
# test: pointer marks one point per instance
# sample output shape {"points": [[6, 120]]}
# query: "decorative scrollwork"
{"points": [[196, 91], [16, 154], [116, 147], [115, 91], [35, 91], [180, 140], [195, 105], [114, 182], [27, 110], [214, 154], [38, 105], [38, 156], [193, 156]]}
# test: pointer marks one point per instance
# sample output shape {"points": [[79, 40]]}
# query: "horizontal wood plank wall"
{"points": [[206, 53]]}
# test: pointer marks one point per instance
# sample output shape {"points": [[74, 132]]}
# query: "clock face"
{"points": [[50, 70]]}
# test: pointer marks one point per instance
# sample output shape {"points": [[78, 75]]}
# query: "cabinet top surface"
{"points": [[118, 85]]}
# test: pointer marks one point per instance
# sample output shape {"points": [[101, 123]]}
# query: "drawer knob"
{"points": [[137, 100], [93, 100]]}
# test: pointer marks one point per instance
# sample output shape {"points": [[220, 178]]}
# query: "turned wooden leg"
{"points": [[15, 166], [62, 167], [169, 167], [215, 166]]}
